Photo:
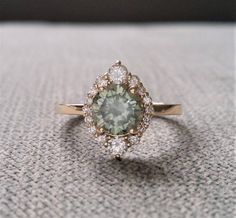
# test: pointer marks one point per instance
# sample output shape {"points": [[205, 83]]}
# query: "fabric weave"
{"points": [[49, 165]]}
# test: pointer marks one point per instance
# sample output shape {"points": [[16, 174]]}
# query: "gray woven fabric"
{"points": [[49, 166]]}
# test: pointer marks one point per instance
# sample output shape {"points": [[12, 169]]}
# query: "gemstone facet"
{"points": [[116, 110], [118, 147]]}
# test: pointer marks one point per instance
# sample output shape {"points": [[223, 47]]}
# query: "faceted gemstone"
{"points": [[118, 146], [134, 139], [88, 120], [147, 100], [118, 73], [89, 101], [101, 82], [149, 109], [93, 91], [142, 91], [86, 109], [101, 139], [116, 110], [134, 81], [92, 130]]}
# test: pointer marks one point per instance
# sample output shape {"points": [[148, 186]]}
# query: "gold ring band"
{"points": [[160, 109]]}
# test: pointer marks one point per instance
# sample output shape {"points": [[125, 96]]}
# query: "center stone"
{"points": [[116, 110]]}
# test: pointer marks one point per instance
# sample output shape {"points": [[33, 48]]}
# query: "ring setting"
{"points": [[118, 110]]}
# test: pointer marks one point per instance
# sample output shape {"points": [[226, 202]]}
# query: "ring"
{"points": [[118, 109]]}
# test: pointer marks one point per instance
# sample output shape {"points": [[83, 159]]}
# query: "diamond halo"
{"points": [[118, 110]]}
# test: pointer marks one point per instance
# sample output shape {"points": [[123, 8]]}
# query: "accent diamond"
{"points": [[118, 73], [101, 139], [142, 91], [118, 146], [134, 81], [88, 120], [92, 92], [89, 101], [134, 140], [147, 100], [101, 82], [149, 109], [92, 130]]}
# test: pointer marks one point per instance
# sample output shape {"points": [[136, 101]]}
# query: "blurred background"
{"points": [[118, 11]]}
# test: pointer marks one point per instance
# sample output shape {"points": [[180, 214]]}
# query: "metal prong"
{"points": [[118, 62], [131, 131], [106, 76], [132, 90], [118, 157]]}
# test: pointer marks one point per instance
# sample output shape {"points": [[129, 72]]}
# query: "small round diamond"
{"points": [[147, 100], [149, 109], [118, 146], [142, 91], [101, 82], [134, 81], [86, 109], [134, 140], [142, 128], [88, 120], [92, 92], [101, 139], [92, 130], [146, 120], [89, 101], [118, 73]]}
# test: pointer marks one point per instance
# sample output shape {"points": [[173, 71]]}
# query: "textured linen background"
{"points": [[50, 167]]}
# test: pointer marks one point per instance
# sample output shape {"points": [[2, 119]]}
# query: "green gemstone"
{"points": [[116, 110]]}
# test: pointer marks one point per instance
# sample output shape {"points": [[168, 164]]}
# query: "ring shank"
{"points": [[159, 109]]}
